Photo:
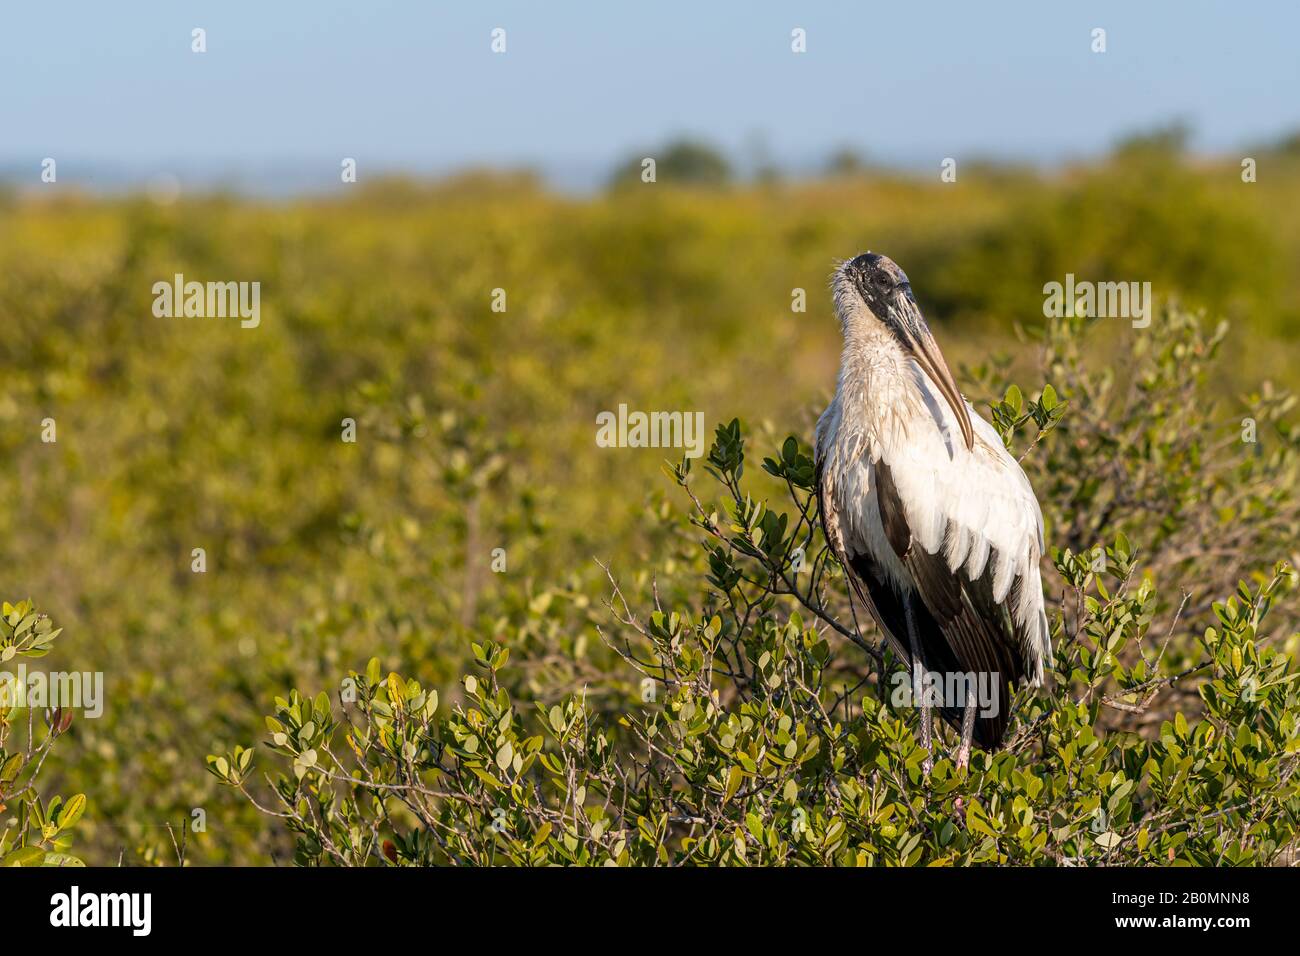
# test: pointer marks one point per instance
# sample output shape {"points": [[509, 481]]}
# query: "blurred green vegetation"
{"points": [[475, 427], [683, 162]]}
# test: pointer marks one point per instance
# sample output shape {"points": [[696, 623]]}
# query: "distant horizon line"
{"points": [[304, 174]]}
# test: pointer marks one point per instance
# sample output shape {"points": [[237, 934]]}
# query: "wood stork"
{"points": [[935, 523]]}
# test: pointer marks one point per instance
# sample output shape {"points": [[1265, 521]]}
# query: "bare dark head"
{"points": [[874, 286], [877, 279]]}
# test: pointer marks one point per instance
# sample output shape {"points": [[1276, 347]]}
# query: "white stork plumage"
{"points": [[935, 523]]}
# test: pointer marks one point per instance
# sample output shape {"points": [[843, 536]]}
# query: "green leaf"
{"points": [[1014, 399], [734, 777], [9, 769], [23, 856], [72, 811], [505, 755]]}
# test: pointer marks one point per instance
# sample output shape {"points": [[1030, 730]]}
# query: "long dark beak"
{"points": [[925, 350]]}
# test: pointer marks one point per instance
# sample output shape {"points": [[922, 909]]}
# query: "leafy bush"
{"points": [[474, 428], [1098, 227], [37, 830], [752, 723]]}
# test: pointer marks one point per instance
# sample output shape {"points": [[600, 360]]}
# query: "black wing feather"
{"points": [[962, 628], [886, 604]]}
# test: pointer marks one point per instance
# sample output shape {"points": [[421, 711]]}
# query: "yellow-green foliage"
{"points": [[475, 431], [37, 827]]}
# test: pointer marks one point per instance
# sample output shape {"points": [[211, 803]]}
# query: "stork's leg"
{"points": [[967, 731], [918, 689]]}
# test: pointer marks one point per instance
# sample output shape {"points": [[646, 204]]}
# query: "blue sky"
{"points": [[416, 85]]}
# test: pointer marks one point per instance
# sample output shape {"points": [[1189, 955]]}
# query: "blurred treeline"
{"points": [[476, 427]]}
